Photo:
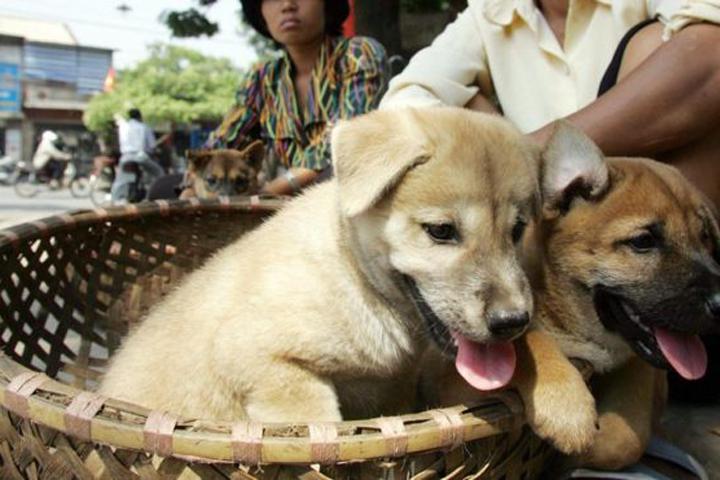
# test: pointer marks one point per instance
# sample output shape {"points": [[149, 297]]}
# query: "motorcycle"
{"points": [[30, 182], [133, 189], [101, 180]]}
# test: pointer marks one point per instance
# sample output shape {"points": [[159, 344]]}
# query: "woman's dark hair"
{"points": [[336, 11]]}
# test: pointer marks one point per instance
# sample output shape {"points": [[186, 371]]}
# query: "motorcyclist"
{"points": [[136, 144], [49, 159]]}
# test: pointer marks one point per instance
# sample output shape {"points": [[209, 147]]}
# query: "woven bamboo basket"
{"points": [[72, 285]]}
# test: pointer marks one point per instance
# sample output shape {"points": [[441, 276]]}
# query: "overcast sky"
{"points": [[98, 23]]}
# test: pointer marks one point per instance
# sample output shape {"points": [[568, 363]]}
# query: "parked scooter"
{"points": [[9, 171]]}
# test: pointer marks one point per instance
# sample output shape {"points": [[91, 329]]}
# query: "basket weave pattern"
{"points": [[71, 287]]}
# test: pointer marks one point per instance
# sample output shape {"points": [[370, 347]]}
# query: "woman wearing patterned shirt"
{"points": [[290, 102]]}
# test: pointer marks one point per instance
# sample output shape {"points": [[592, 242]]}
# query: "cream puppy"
{"points": [[320, 312]]}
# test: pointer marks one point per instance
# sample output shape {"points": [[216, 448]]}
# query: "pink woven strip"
{"points": [[67, 219], [41, 226], [164, 206], [157, 432], [247, 442], [19, 390], [132, 209], [324, 447], [224, 200], [396, 437], [13, 237], [80, 412], [255, 200], [452, 428], [194, 201]]}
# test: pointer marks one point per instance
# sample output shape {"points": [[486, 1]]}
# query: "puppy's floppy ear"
{"points": [[572, 166], [371, 154], [198, 159], [254, 154]]}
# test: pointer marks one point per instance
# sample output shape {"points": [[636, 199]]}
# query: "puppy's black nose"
{"points": [[713, 304], [508, 324]]}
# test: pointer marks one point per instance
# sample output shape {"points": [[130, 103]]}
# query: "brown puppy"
{"points": [[223, 172], [625, 273]]}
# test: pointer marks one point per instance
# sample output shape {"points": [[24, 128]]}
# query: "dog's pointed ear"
{"points": [[572, 166], [198, 159], [371, 154], [254, 154]]}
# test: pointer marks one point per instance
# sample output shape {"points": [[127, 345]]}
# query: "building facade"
{"points": [[46, 81]]}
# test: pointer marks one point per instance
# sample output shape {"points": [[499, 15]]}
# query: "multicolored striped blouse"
{"points": [[349, 79]]}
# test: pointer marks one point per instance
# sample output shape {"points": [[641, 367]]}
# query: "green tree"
{"points": [[174, 84], [190, 22]]}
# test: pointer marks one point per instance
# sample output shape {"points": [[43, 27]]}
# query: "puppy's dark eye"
{"points": [[442, 232], [518, 229], [643, 243], [211, 180]]}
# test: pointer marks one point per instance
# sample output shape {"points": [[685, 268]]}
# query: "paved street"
{"points": [[15, 209]]}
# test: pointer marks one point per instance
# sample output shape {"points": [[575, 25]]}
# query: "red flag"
{"points": [[109, 83], [349, 25]]}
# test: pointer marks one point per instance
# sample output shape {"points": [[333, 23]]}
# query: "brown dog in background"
{"points": [[625, 272], [223, 172]]}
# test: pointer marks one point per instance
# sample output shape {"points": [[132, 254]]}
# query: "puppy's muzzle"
{"points": [[505, 325]]}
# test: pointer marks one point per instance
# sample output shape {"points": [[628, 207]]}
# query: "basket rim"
{"points": [[36, 397], [126, 425], [75, 218]]}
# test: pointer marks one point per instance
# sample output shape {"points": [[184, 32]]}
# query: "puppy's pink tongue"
{"points": [[686, 353], [485, 366]]}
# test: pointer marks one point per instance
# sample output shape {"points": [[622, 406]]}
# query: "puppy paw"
{"points": [[566, 417], [616, 444]]}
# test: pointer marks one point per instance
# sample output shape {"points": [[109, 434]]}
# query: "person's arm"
{"points": [[56, 153], [119, 120], [149, 140], [670, 99], [446, 72], [291, 182]]}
